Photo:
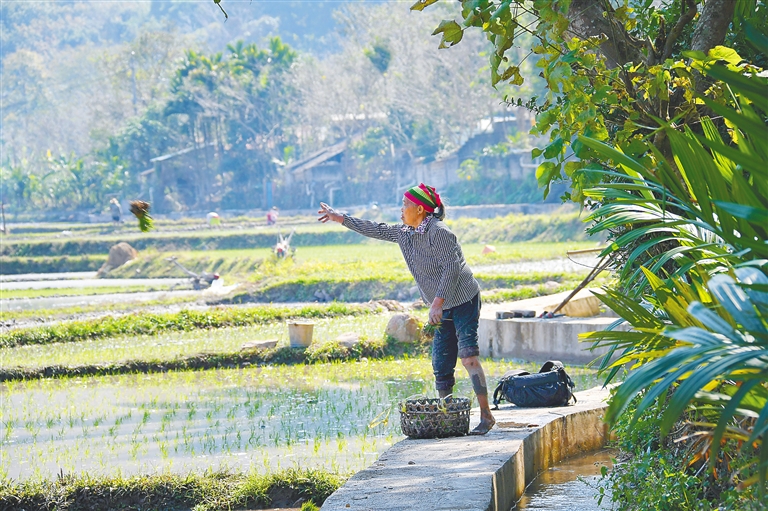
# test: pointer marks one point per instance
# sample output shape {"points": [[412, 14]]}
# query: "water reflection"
{"points": [[570, 485]]}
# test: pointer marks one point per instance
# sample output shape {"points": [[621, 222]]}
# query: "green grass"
{"points": [[57, 264], [512, 228], [523, 292], [346, 272], [202, 239], [154, 324], [379, 259], [233, 265], [358, 272], [40, 231], [560, 226]]}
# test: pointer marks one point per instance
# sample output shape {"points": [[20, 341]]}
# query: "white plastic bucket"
{"points": [[300, 333]]}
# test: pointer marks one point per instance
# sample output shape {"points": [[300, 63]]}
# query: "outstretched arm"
{"points": [[367, 228], [328, 213]]}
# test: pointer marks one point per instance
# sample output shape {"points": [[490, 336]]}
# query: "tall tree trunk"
{"points": [[593, 18], [710, 31], [712, 25], [590, 18]]}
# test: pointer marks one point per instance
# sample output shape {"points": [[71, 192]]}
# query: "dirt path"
{"points": [[573, 265], [48, 276], [86, 283]]}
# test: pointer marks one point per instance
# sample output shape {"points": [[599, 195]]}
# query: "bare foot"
{"points": [[484, 427]]}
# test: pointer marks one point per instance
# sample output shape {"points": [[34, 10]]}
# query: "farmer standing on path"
{"points": [[116, 210], [435, 259]]}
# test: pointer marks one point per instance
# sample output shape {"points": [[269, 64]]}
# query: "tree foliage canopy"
{"points": [[615, 70]]}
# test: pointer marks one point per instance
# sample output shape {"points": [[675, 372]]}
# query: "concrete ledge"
{"points": [[487, 473], [540, 339]]}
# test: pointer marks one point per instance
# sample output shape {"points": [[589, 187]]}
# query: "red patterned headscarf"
{"points": [[424, 196]]}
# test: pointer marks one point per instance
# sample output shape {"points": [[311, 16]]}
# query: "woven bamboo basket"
{"points": [[435, 417]]}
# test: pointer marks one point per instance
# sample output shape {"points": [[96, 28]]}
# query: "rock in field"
{"points": [[258, 345], [348, 340], [390, 305], [404, 328]]}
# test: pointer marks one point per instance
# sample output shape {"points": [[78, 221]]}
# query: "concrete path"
{"points": [[487, 473], [538, 339], [581, 264]]}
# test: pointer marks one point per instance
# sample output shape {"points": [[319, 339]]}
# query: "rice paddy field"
{"points": [[335, 417]]}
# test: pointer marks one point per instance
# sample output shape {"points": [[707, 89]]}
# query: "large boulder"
{"points": [[118, 255], [404, 328]]}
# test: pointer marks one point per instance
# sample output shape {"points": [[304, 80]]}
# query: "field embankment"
{"points": [[329, 351], [153, 324], [205, 492], [398, 287], [511, 228]]}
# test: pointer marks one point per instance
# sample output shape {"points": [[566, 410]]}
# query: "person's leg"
{"points": [[477, 376], [466, 318], [444, 356]]}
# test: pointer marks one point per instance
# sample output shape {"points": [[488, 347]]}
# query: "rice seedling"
{"points": [[66, 313]]}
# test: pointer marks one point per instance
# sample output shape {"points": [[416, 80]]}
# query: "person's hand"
{"points": [[328, 213], [436, 312]]}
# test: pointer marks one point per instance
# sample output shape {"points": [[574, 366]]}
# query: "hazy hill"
{"points": [[74, 71], [52, 26]]}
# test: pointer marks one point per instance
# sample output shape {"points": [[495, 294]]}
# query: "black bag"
{"points": [[551, 386]]}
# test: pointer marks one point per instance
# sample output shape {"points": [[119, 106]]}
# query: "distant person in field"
{"points": [[272, 215], [435, 259], [116, 210], [214, 220]]}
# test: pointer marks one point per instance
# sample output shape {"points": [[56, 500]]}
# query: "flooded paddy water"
{"points": [[254, 418]]}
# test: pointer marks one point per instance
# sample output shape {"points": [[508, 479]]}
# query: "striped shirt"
{"points": [[433, 256]]}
